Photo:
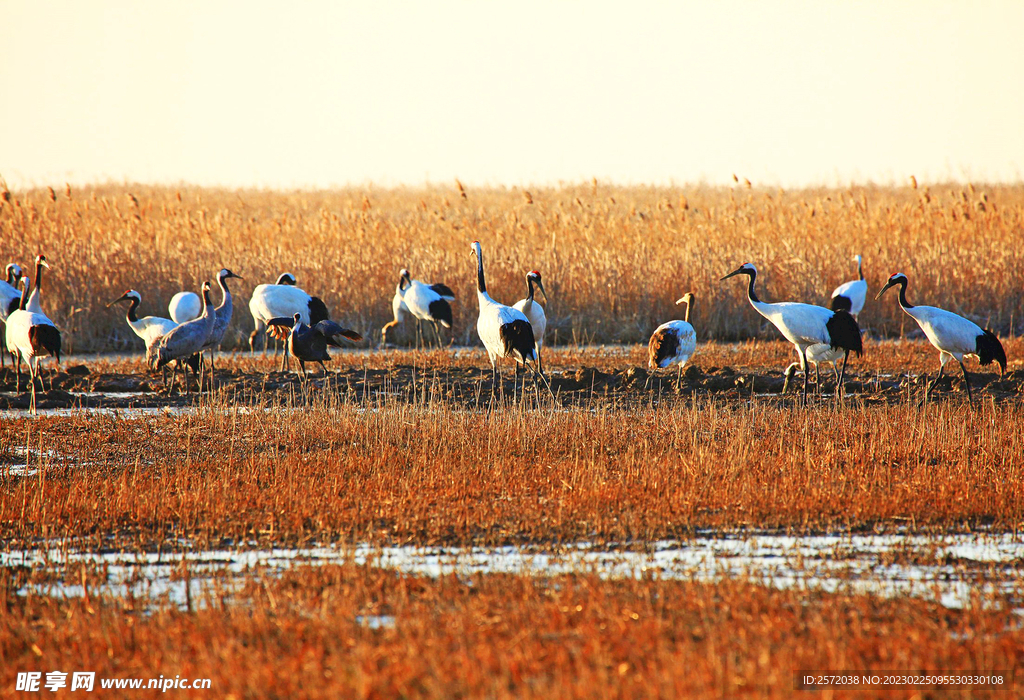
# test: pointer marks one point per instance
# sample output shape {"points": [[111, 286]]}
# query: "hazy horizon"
{"points": [[326, 95]]}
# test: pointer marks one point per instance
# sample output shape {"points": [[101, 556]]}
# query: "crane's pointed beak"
{"points": [[120, 298], [737, 271], [540, 286], [883, 290], [680, 301], [44, 264]]}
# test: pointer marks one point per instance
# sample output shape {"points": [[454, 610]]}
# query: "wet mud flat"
{"points": [[79, 385]]}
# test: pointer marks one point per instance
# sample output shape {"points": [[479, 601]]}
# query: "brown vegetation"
{"points": [[614, 258]]}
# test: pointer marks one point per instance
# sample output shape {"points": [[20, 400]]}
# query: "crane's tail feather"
{"points": [[334, 332], [444, 290], [441, 311], [663, 345], [844, 332], [841, 303], [45, 338], [517, 337], [989, 348]]}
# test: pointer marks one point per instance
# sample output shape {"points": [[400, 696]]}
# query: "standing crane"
{"points": [[426, 302], [810, 328], [150, 328], [673, 342], [952, 335], [222, 317], [10, 300], [309, 344], [283, 300], [850, 296], [534, 312], [182, 342], [504, 331], [30, 335]]}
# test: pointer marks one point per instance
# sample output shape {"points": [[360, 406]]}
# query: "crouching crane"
{"points": [[673, 342]]}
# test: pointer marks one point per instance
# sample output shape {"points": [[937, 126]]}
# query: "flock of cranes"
{"points": [[288, 313]]}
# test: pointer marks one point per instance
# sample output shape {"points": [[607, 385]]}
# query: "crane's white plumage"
{"points": [[10, 295], [811, 329], [425, 302], [954, 336], [673, 342], [282, 300], [35, 299], [850, 296], [150, 328], [29, 336], [504, 331], [185, 307], [534, 312]]}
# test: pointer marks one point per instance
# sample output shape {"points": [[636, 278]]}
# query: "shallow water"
{"points": [[952, 570]]}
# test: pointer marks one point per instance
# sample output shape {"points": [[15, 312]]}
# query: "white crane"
{"points": [[673, 342], [426, 302], [10, 300], [534, 312], [850, 296], [309, 344], [810, 328], [504, 331], [952, 335], [185, 307], [30, 335], [150, 328], [184, 341], [222, 317], [35, 300], [283, 301]]}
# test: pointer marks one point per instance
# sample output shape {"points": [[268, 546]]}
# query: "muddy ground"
{"points": [[599, 376]]}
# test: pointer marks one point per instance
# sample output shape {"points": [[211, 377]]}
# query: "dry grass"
{"points": [[394, 472], [613, 258], [504, 636]]}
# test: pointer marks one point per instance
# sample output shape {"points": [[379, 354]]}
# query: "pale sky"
{"points": [[321, 94]]}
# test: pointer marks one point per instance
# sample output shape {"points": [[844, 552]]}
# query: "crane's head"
{"points": [[534, 276], [687, 299], [404, 274], [130, 295], [41, 261], [286, 278], [858, 259], [14, 274], [227, 274], [476, 248], [897, 278], [744, 269]]}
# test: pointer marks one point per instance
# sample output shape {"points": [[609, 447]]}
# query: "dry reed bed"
{"points": [[503, 636], [394, 472], [613, 258]]}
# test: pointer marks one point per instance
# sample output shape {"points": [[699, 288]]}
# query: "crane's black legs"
{"points": [[840, 391], [932, 383], [17, 375], [803, 361], [437, 334], [967, 381]]}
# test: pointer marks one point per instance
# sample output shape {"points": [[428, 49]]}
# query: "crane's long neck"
{"points": [[903, 296], [39, 277], [751, 293], [860, 268], [24, 293], [133, 307], [481, 285], [529, 284], [226, 293], [689, 305], [207, 304]]}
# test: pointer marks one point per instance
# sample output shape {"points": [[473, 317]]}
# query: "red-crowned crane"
{"points": [[673, 342], [534, 312], [222, 315], [30, 335], [10, 300], [426, 302], [150, 328], [850, 296], [282, 300], [504, 331], [309, 344], [952, 335], [181, 343], [810, 328]]}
